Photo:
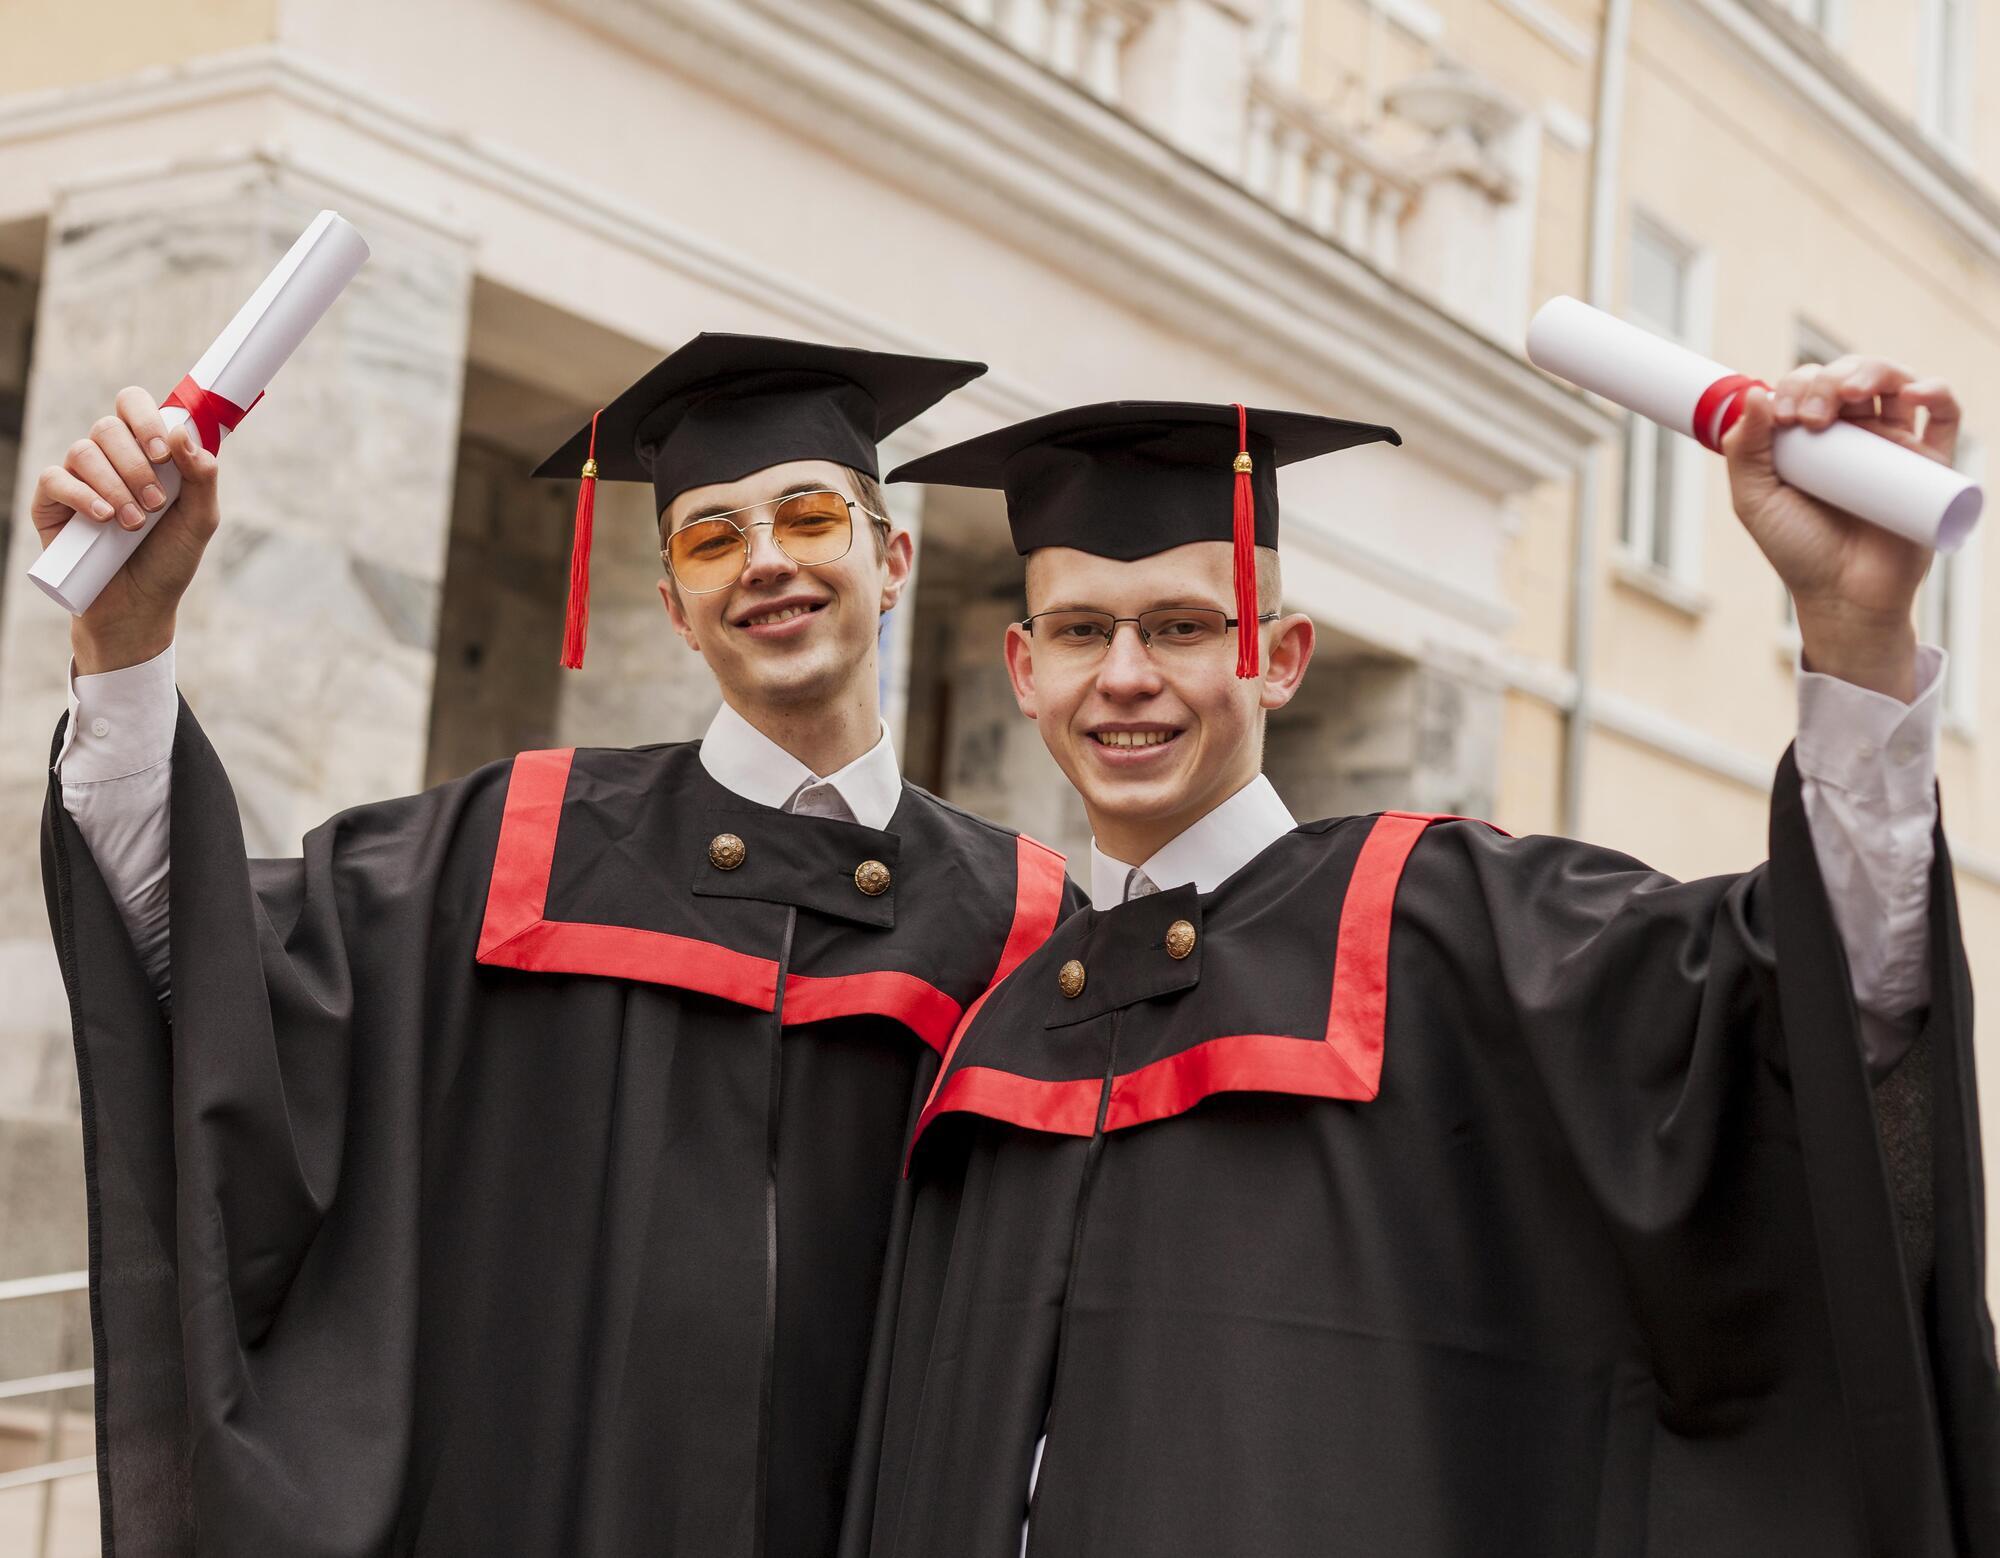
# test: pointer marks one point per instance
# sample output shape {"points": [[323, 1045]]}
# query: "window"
{"points": [[1948, 610], [1944, 70], [1663, 475]]}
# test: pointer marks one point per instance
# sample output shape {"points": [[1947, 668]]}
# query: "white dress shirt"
{"points": [[116, 765], [746, 762]]}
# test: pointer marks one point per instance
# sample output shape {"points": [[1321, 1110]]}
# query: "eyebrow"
{"points": [[1158, 605], [797, 488]]}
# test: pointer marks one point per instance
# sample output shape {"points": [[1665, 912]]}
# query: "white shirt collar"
{"points": [[746, 762], [1205, 853]]}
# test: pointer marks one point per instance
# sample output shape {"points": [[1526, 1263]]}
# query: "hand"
{"points": [[107, 479], [1854, 583]]}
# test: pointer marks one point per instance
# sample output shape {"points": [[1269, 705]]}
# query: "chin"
{"points": [[1136, 800], [797, 681]]}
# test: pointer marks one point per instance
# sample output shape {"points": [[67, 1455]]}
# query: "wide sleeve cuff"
{"points": [[1869, 744], [120, 722]]}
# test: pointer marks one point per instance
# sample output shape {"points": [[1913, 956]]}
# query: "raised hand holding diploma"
{"points": [[1684, 391], [80, 557], [1854, 583]]}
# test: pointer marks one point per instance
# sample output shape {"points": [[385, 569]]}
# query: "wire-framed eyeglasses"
{"points": [[1174, 629], [812, 528]]}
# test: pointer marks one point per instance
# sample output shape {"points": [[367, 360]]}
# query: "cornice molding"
{"points": [[926, 97], [1824, 83]]}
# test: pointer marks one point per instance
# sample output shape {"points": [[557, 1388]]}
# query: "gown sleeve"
{"points": [[253, 1161], [1697, 1048]]}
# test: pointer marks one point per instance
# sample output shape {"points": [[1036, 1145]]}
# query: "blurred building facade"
{"points": [[1530, 611]]}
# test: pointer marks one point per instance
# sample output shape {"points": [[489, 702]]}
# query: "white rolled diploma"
{"points": [[1847, 466], [75, 566]]}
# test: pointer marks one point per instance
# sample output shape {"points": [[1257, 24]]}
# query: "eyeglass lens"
{"points": [[811, 528], [1175, 628]]}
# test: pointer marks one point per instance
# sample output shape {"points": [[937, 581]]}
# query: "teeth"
{"points": [[1134, 738], [778, 616]]}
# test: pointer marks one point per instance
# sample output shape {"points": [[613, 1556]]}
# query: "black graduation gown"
{"points": [[1455, 1195], [510, 1178]]}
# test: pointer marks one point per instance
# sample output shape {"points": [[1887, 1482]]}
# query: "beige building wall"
{"points": [[1807, 170], [1347, 205]]}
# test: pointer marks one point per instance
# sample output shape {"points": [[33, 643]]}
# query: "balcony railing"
{"points": [[33, 1531], [1302, 160], [1080, 40]]}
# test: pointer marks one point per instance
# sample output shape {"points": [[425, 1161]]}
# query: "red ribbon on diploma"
{"points": [[211, 414], [1721, 408]]}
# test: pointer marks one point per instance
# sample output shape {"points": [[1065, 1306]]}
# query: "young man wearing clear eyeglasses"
{"points": [[515, 1172], [1385, 1185]]}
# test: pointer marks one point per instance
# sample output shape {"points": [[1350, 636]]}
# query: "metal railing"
{"points": [[48, 1473]]}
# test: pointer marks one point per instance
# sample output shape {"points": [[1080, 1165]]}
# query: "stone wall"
{"points": [[1373, 735], [498, 682], [306, 642]]}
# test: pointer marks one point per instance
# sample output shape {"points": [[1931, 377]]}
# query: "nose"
{"points": [[765, 564], [1127, 670]]}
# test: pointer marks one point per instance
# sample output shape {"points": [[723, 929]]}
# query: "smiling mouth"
{"points": [[780, 614], [1125, 740]]}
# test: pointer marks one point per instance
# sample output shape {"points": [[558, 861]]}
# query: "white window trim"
{"points": [[1963, 578], [1954, 137], [1686, 524]]}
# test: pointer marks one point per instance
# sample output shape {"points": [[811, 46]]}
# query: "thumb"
{"points": [[198, 470], [1748, 443]]}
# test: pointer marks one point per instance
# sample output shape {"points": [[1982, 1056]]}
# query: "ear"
{"points": [[899, 558], [1286, 655], [678, 616], [1020, 652]]}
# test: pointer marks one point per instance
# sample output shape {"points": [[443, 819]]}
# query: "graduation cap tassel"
{"points": [[1245, 517], [576, 620]]}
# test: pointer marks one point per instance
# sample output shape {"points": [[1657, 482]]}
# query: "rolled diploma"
{"points": [[75, 566], [1847, 466]]}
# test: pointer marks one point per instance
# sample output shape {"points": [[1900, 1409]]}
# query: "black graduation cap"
{"points": [[726, 405], [1128, 478]]}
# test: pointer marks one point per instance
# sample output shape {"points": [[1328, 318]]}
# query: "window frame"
{"points": [[1640, 541]]}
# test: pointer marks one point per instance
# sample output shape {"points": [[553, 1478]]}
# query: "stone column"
{"points": [[639, 683], [994, 760], [1368, 736], [897, 640], [17, 318], [306, 643], [501, 624]]}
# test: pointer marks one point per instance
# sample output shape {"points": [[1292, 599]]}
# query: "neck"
{"points": [[1135, 840], [826, 734]]}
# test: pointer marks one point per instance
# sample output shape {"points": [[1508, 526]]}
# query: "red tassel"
{"points": [[1248, 633], [576, 620]]}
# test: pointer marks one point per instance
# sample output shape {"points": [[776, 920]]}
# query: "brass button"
{"points": [[726, 852], [1180, 939], [1069, 979], [872, 877]]}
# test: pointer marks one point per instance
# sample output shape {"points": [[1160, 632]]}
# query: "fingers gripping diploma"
{"points": [[135, 472], [1854, 583]]}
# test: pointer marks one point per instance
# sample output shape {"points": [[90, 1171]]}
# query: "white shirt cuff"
{"points": [[120, 722], [1869, 744]]}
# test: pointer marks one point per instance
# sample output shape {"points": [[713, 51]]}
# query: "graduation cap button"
{"points": [[1180, 939], [726, 852], [1069, 979], [872, 877]]}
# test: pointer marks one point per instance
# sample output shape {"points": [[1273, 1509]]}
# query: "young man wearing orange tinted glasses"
{"points": [[517, 1170]]}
